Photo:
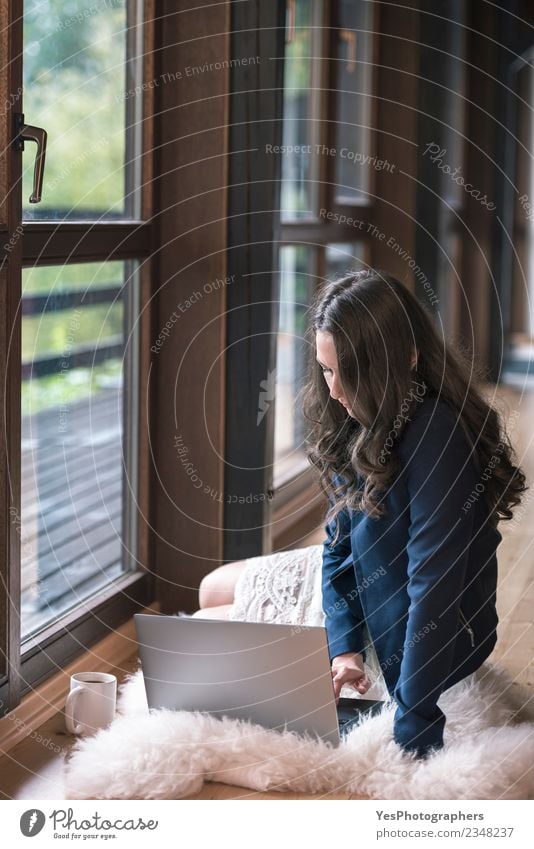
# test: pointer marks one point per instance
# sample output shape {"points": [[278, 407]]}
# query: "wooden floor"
{"points": [[32, 770], [71, 498]]}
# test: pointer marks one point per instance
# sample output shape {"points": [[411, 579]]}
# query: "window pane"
{"points": [[353, 101], [297, 286], [518, 366], [344, 257], [81, 66], [300, 134], [79, 356]]}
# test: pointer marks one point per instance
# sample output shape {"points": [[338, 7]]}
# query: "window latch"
{"points": [[24, 132]]}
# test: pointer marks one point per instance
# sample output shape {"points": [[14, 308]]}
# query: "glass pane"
{"points": [[82, 62], [300, 133], [344, 257], [297, 285], [454, 46], [518, 366], [79, 357], [353, 102]]}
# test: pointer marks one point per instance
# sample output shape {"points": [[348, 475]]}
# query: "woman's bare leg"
{"points": [[220, 611], [217, 587]]}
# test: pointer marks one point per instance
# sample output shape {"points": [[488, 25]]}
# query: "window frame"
{"points": [[48, 243], [321, 232], [252, 301]]}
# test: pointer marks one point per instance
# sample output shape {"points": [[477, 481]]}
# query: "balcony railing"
{"points": [[72, 471]]}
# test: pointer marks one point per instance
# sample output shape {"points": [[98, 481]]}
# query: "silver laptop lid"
{"points": [[275, 675]]}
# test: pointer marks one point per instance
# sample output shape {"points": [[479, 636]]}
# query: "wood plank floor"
{"points": [[32, 770], [71, 504]]}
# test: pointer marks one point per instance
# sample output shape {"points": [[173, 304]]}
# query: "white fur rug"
{"points": [[488, 753]]}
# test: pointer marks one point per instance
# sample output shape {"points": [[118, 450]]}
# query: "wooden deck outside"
{"points": [[72, 469]]}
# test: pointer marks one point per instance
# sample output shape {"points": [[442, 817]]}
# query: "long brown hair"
{"points": [[376, 324]]}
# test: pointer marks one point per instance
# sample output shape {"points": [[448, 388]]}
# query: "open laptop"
{"points": [[278, 676]]}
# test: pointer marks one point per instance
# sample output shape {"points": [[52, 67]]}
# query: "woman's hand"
{"points": [[348, 668]]}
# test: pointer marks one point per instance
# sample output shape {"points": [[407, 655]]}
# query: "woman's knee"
{"points": [[220, 611], [217, 587]]}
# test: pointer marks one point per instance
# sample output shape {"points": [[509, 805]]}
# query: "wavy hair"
{"points": [[377, 324]]}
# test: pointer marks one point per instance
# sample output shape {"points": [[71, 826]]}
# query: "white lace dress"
{"points": [[285, 587]]}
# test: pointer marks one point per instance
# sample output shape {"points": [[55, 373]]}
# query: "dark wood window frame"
{"points": [[252, 302]]}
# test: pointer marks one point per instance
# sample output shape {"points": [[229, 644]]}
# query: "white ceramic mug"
{"points": [[91, 702]]}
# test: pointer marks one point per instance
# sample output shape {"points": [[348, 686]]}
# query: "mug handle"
{"points": [[72, 726]]}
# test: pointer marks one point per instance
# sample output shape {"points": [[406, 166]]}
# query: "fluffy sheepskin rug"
{"points": [[163, 754]]}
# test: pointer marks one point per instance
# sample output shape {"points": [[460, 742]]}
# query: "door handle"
{"points": [[24, 132]]}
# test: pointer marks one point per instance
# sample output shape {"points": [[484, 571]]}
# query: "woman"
{"points": [[418, 471]]}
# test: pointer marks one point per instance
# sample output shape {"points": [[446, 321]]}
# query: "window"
{"points": [[353, 101], [297, 284], [321, 170], [342, 257], [300, 132], [518, 290], [79, 353], [449, 256], [82, 68], [75, 312]]}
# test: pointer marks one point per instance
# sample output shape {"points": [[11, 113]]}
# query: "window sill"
{"points": [[297, 517], [49, 698]]}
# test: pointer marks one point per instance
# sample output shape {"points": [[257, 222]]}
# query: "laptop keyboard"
{"points": [[349, 711]]}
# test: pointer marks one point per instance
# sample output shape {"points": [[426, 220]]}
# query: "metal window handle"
{"points": [[24, 132]]}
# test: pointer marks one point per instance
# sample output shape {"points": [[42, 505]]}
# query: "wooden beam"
{"points": [[186, 380], [252, 307]]}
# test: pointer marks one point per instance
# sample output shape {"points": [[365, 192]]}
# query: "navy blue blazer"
{"points": [[420, 582]]}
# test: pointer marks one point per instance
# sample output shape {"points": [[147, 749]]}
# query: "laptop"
{"points": [[277, 676]]}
